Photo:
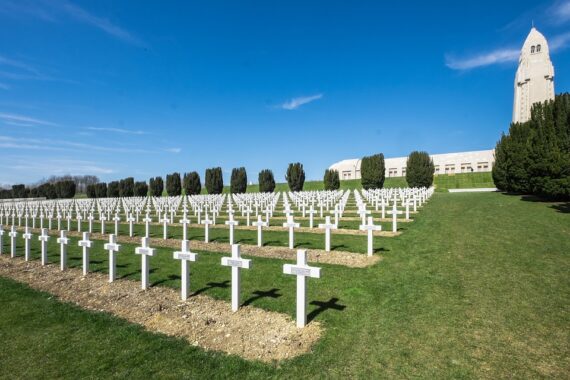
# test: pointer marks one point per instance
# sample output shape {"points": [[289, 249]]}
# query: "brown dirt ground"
{"points": [[251, 333], [348, 259]]}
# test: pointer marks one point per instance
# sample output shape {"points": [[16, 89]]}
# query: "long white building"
{"points": [[448, 163], [534, 80]]}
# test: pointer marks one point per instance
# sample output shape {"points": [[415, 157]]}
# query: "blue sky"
{"points": [[145, 88]]}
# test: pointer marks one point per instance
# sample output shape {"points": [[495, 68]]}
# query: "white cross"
{"points": [[232, 223], [27, 236], [145, 251], [59, 221], [206, 222], [63, 240], [86, 244], [394, 214], [130, 219], [146, 221], [43, 238], [69, 221], [13, 235], [1, 239], [79, 218], [165, 222], [247, 214], [103, 218], [291, 225], [90, 219], [236, 263], [117, 219], [184, 255], [185, 221], [259, 224], [370, 227], [113, 248], [328, 226], [302, 271], [337, 214], [311, 213]]}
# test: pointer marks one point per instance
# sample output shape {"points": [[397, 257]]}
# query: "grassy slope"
{"points": [[478, 287]]}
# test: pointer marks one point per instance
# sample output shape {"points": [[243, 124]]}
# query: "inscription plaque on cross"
{"points": [[237, 264], [302, 271]]}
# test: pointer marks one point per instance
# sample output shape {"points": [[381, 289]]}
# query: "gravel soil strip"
{"points": [[252, 333]]}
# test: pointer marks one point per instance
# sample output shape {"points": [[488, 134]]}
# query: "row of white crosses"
{"points": [[235, 262]]}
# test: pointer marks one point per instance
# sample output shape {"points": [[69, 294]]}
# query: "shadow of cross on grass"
{"points": [[271, 293], [211, 285], [324, 306]]}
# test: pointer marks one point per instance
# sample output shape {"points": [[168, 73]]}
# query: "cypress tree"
{"points": [[173, 185], [419, 169], [372, 171], [238, 183], [295, 176], [113, 189], [127, 187], [214, 180], [156, 186], [266, 181], [331, 180], [499, 170], [141, 189], [191, 183]]}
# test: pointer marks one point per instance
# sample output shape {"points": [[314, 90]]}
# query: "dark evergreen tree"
{"points": [[191, 182], [238, 183], [331, 179], [266, 181], [113, 189], [101, 190], [19, 191], [295, 176], [141, 189], [127, 187], [173, 184], [156, 186], [419, 169], [214, 181], [372, 171], [499, 170], [90, 191], [65, 189]]}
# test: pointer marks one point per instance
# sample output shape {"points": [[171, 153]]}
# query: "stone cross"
{"points": [[165, 222], [311, 213], [337, 214], [113, 248], [79, 218], [27, 236], [58, 221], [86, 244], [63, 241], [1, 239], [206, 222], [236, 263], [103, 218], [407, 210], [259, 224], [328, 226], [117, 219], [185, 221], [69, 221], [395, 212], [232, 223], [131, 220], [370, 227], [248, 211], [291, 225], [43, 238], [147, 221], [90, 219], [145, 251], [185, 256], [302, 271], [13, 235]]}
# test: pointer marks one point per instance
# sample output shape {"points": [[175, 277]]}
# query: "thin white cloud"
{"points": [[117, 130], [485, 59], [11, 119], [173, 150], [559, 42], [559, 12], [55, 10], [295, 103]]}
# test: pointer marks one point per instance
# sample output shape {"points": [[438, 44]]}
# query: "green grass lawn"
{"points": [[478, 288]]}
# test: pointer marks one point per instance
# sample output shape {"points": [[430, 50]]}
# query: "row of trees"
{"points": [[534, 157], [61, 189]]}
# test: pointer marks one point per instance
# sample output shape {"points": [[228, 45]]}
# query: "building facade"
{"points": [[449, 163], [534, 80]]}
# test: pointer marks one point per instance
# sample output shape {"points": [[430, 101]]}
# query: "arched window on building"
{"points": [[538, 48], [532, 49]]}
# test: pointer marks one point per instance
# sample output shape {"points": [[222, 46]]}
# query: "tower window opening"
{"points": [[538, 48], [532, 49]]}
